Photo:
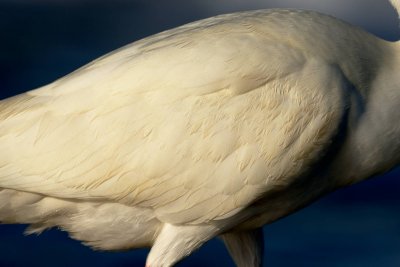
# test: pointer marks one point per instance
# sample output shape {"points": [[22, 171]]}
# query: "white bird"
{"points": [[214, 128]]}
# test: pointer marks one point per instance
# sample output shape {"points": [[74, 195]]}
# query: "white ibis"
{"points": [[214, 128]]}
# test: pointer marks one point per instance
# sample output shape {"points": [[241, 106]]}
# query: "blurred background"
{"points": [[42, 40]]}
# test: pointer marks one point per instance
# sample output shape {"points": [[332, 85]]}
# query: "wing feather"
{"points": [[184, 123]]}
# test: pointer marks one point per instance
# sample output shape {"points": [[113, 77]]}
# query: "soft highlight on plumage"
{"points": [[214, 128]]}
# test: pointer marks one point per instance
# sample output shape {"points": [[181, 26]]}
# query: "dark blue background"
{"points": [[42, 40]]}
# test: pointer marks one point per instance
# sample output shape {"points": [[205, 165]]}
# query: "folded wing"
{"points": [[185, 123]]}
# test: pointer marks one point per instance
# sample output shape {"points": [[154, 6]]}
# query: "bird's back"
{"points": [[197, 54]]}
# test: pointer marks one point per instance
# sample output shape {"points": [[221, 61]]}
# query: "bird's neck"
{"points": [[396, 5], [373, 143], [383, 107]]}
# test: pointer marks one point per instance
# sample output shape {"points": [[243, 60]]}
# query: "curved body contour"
{"points": [[213, 128]]}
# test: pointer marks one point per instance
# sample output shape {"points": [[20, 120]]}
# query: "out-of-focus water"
{"points": [[39, 42]]}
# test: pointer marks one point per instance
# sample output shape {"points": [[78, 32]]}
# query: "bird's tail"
{"points": [[101, 225], [39, 211]]}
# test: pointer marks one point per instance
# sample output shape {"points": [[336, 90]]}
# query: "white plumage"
{"points": [[214, 128]]}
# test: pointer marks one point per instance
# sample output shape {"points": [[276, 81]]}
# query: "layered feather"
{"points": [[186, 123]]}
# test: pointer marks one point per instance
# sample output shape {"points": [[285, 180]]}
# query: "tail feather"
{"points": [[29, 208], [109, 226]]}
